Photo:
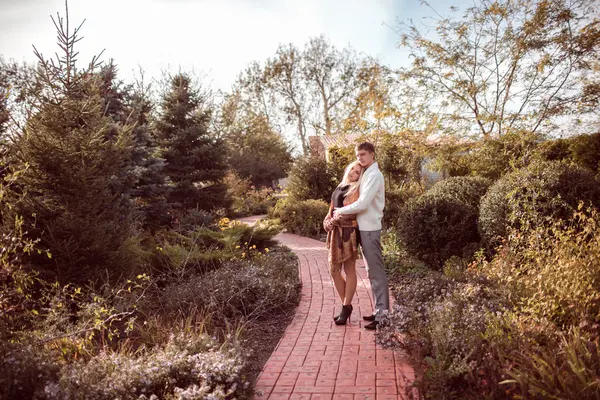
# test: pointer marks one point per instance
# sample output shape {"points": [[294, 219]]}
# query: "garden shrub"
{"points": [[186, 221], [489, 158], [467, 190], [301, 217], [242, 290], [247, 199], [205, 249], [395, 199], [524, 323], [440, 323], [312, 178], [186, 367], [443, 221], [568, 370], [554, 271], [540, 193], [395, 257], [583, 150]]}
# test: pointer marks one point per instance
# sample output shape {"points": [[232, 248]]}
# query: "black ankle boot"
{"points": [[338, 316], [344, 315]]}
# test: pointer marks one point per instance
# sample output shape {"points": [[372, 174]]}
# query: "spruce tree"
{"points": [[144, 178], [149, 190], [195, 160], [71, 160]]}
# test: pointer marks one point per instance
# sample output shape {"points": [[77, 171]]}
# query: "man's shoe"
{"points": [[369, 317], [372, 326]]}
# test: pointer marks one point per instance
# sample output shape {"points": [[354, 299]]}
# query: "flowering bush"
{"points": [[554, 271], [440, 323], [186, 367]]}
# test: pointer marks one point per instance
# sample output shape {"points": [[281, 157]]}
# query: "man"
{"points": [[369, 210]]}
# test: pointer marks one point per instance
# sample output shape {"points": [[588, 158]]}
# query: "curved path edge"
{"points": [[316, 359]]}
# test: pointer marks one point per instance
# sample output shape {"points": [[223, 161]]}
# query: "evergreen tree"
{"points": [[195, 160], [149, 190], [144, 178], [70, 165]]}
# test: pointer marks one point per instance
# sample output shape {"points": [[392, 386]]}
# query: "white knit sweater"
{"points": [[370, 204]]}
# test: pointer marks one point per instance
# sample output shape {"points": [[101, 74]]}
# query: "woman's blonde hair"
{"points": [[353, 185]]}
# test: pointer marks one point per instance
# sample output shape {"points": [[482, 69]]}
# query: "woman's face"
{"points": [[354, 173]]}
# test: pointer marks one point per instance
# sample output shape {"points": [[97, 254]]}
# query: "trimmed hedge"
{"points": [[443, 221], [531, 196]]}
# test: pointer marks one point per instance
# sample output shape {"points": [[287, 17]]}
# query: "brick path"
{"points": [[317, 359]]}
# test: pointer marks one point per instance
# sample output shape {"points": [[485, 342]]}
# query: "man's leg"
{"points": [[371, 249]]}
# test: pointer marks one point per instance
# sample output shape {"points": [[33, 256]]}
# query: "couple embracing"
{"points": [[354, 219]]}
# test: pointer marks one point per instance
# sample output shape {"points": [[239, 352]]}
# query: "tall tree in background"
{"points": [[195, 159], [309, 88], [283, 78], [4, 92], [255, 149], [511, 65], [69, 164], [332, 80]]}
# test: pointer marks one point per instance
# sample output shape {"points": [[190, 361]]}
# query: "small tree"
{"points": [[195, 160], [312, 178], [255, 150], [70, 164]]}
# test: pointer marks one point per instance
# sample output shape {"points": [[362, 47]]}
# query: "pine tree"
{"points": [[195, 160], [144, 179], [71, 163], [150, 190]]}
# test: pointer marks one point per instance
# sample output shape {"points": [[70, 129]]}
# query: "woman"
{"points": [[342, 239]]}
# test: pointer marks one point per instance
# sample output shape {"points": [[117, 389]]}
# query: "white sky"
{"points": [[217, 38]]}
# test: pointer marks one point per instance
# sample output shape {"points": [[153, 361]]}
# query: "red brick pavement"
{"points": [[317, 359]]}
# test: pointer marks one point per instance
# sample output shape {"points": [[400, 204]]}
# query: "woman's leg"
{"points": [[339, 282], [351, 281]]}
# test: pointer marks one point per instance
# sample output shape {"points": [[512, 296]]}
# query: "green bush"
{"points": [[247, 199], [554, 271], [205, 249], [302, 217], [489, 158], [240, 291], [443, 221], [440, 324], [542, 192], [467, 190], [396, 258], [395, 200], [312, 178], [569, 370], [583, 150], [524, 324]]}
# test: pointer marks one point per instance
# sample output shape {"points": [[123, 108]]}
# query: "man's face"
{"points": [[364, 157]]}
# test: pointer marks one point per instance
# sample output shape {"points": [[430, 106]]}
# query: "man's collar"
{"points": [[372, 167]]}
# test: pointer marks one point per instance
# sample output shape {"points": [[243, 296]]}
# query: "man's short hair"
{"points": [[366, 146]]}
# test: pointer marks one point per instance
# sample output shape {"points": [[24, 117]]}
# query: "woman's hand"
{"points": [[327, 224]]}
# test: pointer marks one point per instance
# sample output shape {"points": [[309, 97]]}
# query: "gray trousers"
{"points": [[370, 243]]}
